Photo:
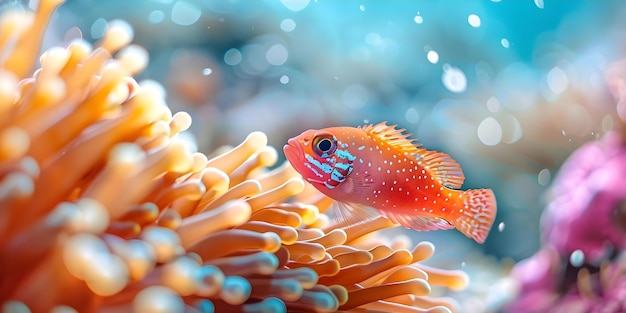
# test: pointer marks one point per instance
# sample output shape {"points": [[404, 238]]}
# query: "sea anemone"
{"points": [[106, 209]]}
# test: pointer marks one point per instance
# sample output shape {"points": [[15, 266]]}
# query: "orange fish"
{"points": [[378, 167]]}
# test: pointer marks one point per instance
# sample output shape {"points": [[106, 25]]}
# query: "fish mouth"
{"points": [[292, 150]]}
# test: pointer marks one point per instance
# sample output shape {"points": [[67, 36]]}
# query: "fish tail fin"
{"points": [[478, 215]]}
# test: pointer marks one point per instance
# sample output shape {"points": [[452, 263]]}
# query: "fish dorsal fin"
{"points": [[443, 167], [394, 137], [418, 223], [438, 164]]}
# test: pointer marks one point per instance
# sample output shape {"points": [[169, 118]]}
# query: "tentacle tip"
{"points": [[256, 140]]}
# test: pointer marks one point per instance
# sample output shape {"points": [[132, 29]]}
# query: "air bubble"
{"points": [[505, 43], [295, 5], [98, 28], [490, 131], [544, 177], [577, 258], [453, 79], [432, 56], [473, 20], [185, 14], [373, 39], [493, 104], [277, 55], [418, 19], [412, 115], [232, 56], [557, 80], [539, 3], [156, 17], [288, 25]]}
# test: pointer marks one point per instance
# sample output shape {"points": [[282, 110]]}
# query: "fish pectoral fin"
{"points": [[352, 213], [419, 223], [357, 184]]}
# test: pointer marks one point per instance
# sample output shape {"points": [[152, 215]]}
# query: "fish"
{"points": [[374, 170]]}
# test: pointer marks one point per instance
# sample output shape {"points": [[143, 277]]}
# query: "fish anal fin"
{"points": [[445, 169], [416, 222], [478, 215], [352, 213]]}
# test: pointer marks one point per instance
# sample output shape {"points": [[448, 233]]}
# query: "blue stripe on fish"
{"points": [[337, 176], [344, 154], [324, 167], [343, 166], [313, 170]]}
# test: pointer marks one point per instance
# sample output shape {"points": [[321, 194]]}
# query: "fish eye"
{"points": [[323, 145]]}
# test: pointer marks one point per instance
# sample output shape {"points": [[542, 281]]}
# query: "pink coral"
{"points": [[587, 193], [581, 267], [583, 233]]}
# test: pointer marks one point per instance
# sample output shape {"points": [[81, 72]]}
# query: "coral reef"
{"points": [[104, 208], [582, 265]]}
